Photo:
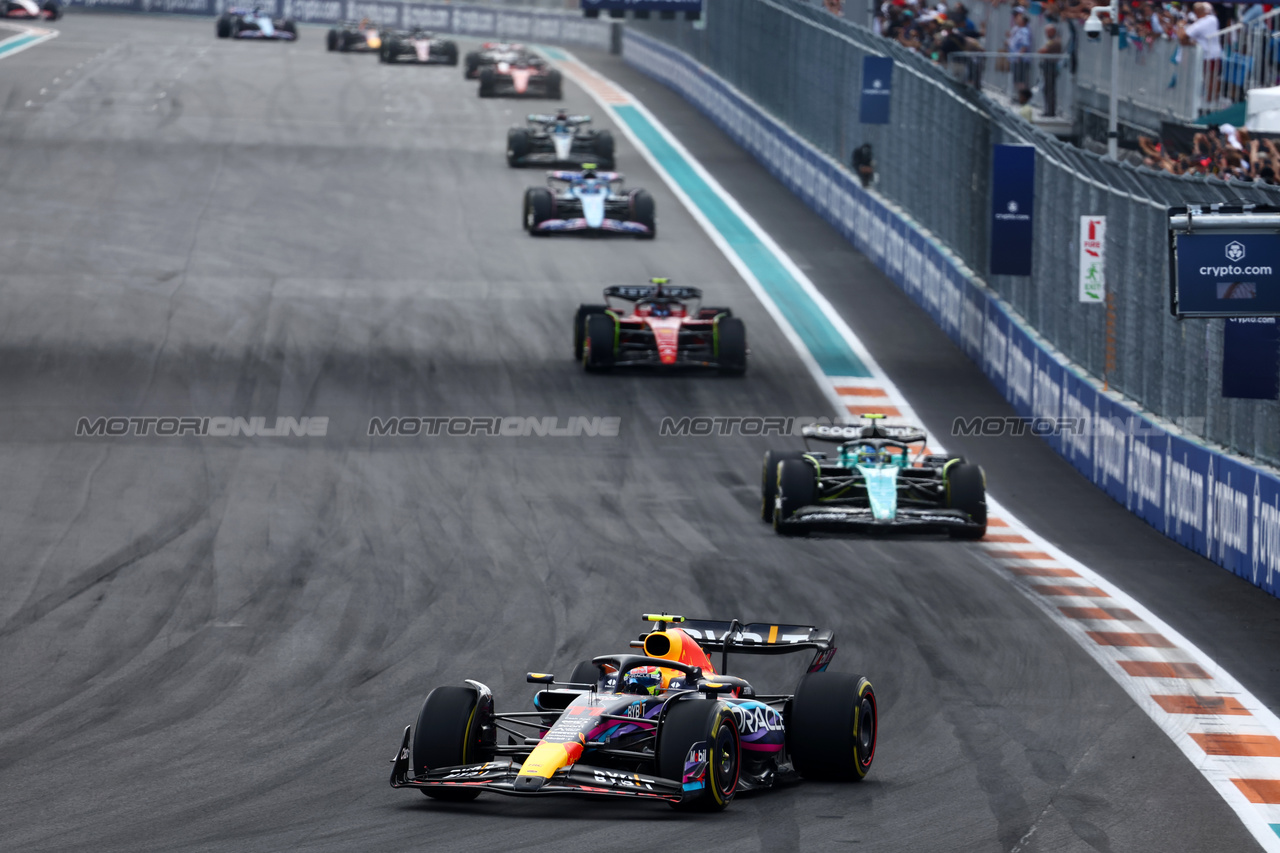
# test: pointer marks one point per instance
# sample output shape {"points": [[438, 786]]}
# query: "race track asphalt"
{"points": [[214, 643]]}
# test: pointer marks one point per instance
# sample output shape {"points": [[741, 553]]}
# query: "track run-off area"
{"points": [[214, 643]]}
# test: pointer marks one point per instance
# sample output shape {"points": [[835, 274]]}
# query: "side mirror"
{"points": [[540, 678]]}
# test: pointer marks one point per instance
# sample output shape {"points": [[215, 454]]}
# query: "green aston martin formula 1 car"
{"points": [[879, 478]]}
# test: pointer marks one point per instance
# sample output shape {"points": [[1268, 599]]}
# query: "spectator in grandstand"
{"points": [[1018, 43], [1203, 31], [1049, 70]]}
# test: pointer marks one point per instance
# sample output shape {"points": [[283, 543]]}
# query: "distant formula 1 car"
{"points": [[351, 36], [241, 23], [872, 483], [524, 75], [658, 326], [559, 139], [662, 726], [489, 54], [30, 10], [418, 46], [588, 201]]}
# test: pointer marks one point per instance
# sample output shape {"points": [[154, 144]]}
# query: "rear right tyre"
{"points": [[642, 211], [487, 83], [967, 492], [731, 346]]}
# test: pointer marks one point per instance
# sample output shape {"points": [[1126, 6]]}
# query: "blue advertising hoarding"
{"points": [[1013, 181], [877, 84], [1251, 358], [1225, 274]]}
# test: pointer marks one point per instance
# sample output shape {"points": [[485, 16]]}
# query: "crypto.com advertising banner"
{"points": [[1228, 275]]}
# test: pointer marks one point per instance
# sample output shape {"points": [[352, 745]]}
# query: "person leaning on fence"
{"points": [[1049, 70], [1203, 31]]}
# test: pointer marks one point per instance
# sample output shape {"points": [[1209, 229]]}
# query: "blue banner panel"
{"points": [[877, 81], [644, 5], [1013, 181], [1251, 358], [1228, 275]]}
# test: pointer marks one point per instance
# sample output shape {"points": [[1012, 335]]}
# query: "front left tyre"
{"points": [[644, 212], [332, 40], [698, 738], [223, 27], [967, 492], [797, 487], [518, 146], [447, 734], [769, 479]]}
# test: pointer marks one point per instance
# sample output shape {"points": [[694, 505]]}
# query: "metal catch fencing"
{"points": [[933, 160]]}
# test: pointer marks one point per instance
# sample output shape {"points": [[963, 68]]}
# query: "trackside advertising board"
{"points": [[1220, 507], [450, 18]]}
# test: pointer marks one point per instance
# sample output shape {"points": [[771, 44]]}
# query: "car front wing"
{"points": [[617, 226], [858, 519], [500, 777]]}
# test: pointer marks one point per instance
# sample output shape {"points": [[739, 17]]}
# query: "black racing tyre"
{"points": [[967, 492], [599, 349], [224, 27], [687, 724], [731, 346], [518, 145], [471, 66], [555, 85], [642, 211], [832, 726], [447, 734], [291, 28], [580, 326], [54, 10], [769, 479], [604, 150], [585, 672], [386, 53], [797, 487], [450, 50], [539, 206], [332, 40], [487, 83]]}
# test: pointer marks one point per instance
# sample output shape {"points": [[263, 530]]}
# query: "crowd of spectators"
{"points": [[1230, 153]]}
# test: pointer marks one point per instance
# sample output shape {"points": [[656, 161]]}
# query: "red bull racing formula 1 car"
{"points": [[661, 725], [658, 325]]}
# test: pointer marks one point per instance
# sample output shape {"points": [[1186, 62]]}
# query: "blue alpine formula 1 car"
{"points": [[588, 200], [255, 23], [880, 478], [665, 724]]}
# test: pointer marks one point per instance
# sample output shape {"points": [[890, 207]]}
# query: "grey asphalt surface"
{"points": [[214, 644]]}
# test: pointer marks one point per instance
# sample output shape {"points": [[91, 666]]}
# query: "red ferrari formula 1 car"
{"points": [[658, 325], [520, 73], [30, 10], [661, 725]]}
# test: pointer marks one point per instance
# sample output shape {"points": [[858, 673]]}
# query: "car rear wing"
{"points": [[761, 638], [636, 292], [840, 433]]}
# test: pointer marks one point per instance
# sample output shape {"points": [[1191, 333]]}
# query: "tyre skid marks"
{"points": [[1169, 678]]}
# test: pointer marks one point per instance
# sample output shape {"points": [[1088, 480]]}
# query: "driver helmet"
{"points": [[366, 24], [590, 174], [660, 309], [643, 681]]}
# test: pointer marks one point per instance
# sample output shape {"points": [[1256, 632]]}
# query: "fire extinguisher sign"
{"points": [[1093, 256]]}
